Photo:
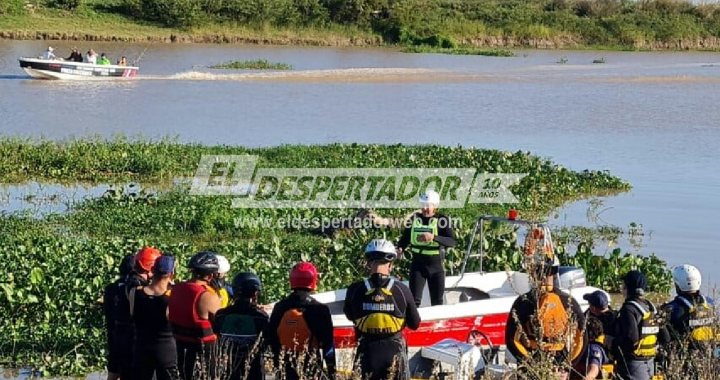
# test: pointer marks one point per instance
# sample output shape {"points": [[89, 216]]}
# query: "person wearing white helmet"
{"points": [[428, 237], [381, 307], [691, 313], [219, 284]]}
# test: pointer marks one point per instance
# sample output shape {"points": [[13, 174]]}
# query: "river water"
{"points": [[651, 118]]}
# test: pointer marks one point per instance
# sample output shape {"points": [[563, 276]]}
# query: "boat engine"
{"points": [[570, 277]]}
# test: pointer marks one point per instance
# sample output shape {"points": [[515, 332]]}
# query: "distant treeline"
{"points": [[443, 23]]}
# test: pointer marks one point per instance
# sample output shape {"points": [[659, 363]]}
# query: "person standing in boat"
{"points": [[380, 307], [75, 55], [427, 239]]}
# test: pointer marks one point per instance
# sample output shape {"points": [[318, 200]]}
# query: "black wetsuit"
{"points": [[109, 308], [154, 348], [425, 267], [520, 319], [319, 321], [380, 340], [244, 328], [124, 329]]}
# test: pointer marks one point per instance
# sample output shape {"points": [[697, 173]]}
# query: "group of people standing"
{"points": [[631, 343], [192, 330]]}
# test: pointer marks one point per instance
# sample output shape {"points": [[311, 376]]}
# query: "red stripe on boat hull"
{"points": [[431, 332]]}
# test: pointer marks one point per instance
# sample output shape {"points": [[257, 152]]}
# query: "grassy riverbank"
{"points": [[446, 24], [56, 265]]}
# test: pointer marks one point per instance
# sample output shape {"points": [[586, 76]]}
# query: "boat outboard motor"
{"points": [[570, 277]]}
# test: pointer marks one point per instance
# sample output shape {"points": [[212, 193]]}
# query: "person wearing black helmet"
{"points": [[637, 331], [112, 291], [191, 309], [381, 307], [244, 326]]}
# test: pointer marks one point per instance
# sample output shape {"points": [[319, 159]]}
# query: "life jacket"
{"points": [[239, 329], [222, 294], [182, 308], [380, 313], [552, 321], [699, 320], [649, 328], [294, 333], [424, 247]]}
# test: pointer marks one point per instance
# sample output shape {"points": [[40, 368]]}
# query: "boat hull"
{"points": [[66, 70]]}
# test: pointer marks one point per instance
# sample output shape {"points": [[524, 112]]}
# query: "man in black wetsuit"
{"points": [[301, 329], [111, 292], [124, 331], [381, 307], [427, 239], [244, 326]]}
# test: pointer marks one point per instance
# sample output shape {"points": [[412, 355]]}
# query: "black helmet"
{"points": [[246, 283], [127, 264], [204, 263]]}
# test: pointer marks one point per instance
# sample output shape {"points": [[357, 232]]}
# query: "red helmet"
{"points": [[304, 275], [145, 257]]}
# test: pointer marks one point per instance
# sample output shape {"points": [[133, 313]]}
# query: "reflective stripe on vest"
{"points": [[698, 320], [646, 347], [382, 317], [426, 248]]}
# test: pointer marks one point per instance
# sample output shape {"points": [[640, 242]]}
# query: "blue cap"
{"points": [[597, 298], [165, 264]]}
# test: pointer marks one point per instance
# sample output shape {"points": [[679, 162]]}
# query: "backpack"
{"points": [[294, 333]]}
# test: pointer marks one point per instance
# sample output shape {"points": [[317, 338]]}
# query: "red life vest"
{"points": [[183, 316]]}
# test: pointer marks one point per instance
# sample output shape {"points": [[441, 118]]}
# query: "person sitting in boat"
{"points": [[49, 53], [103, 60], [122, 61], [75, 56], [91, 57]]}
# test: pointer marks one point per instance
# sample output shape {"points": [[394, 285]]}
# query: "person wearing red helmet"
{"points": [[301, 329], [124, 329]]}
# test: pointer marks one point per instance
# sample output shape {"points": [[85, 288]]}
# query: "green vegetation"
{"points": [[259, 64], [459, 51], [55, 266], [652, 24]]}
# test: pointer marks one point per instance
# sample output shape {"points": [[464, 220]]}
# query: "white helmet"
{"points": [[223, 263], [687, 278], [430, 197], [381, 249]]}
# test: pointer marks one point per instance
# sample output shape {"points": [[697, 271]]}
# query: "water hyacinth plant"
{"points": [[57, 265]]}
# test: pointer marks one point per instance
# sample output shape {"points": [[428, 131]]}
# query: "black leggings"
{"points": [[155, 358], [124, 335], [381, 358], [435, 278], [205, 355]]}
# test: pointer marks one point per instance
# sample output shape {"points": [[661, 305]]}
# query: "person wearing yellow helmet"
{"points": [[545, 320]]}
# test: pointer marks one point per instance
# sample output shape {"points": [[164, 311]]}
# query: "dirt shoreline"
{"points": [[565, 42]]}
